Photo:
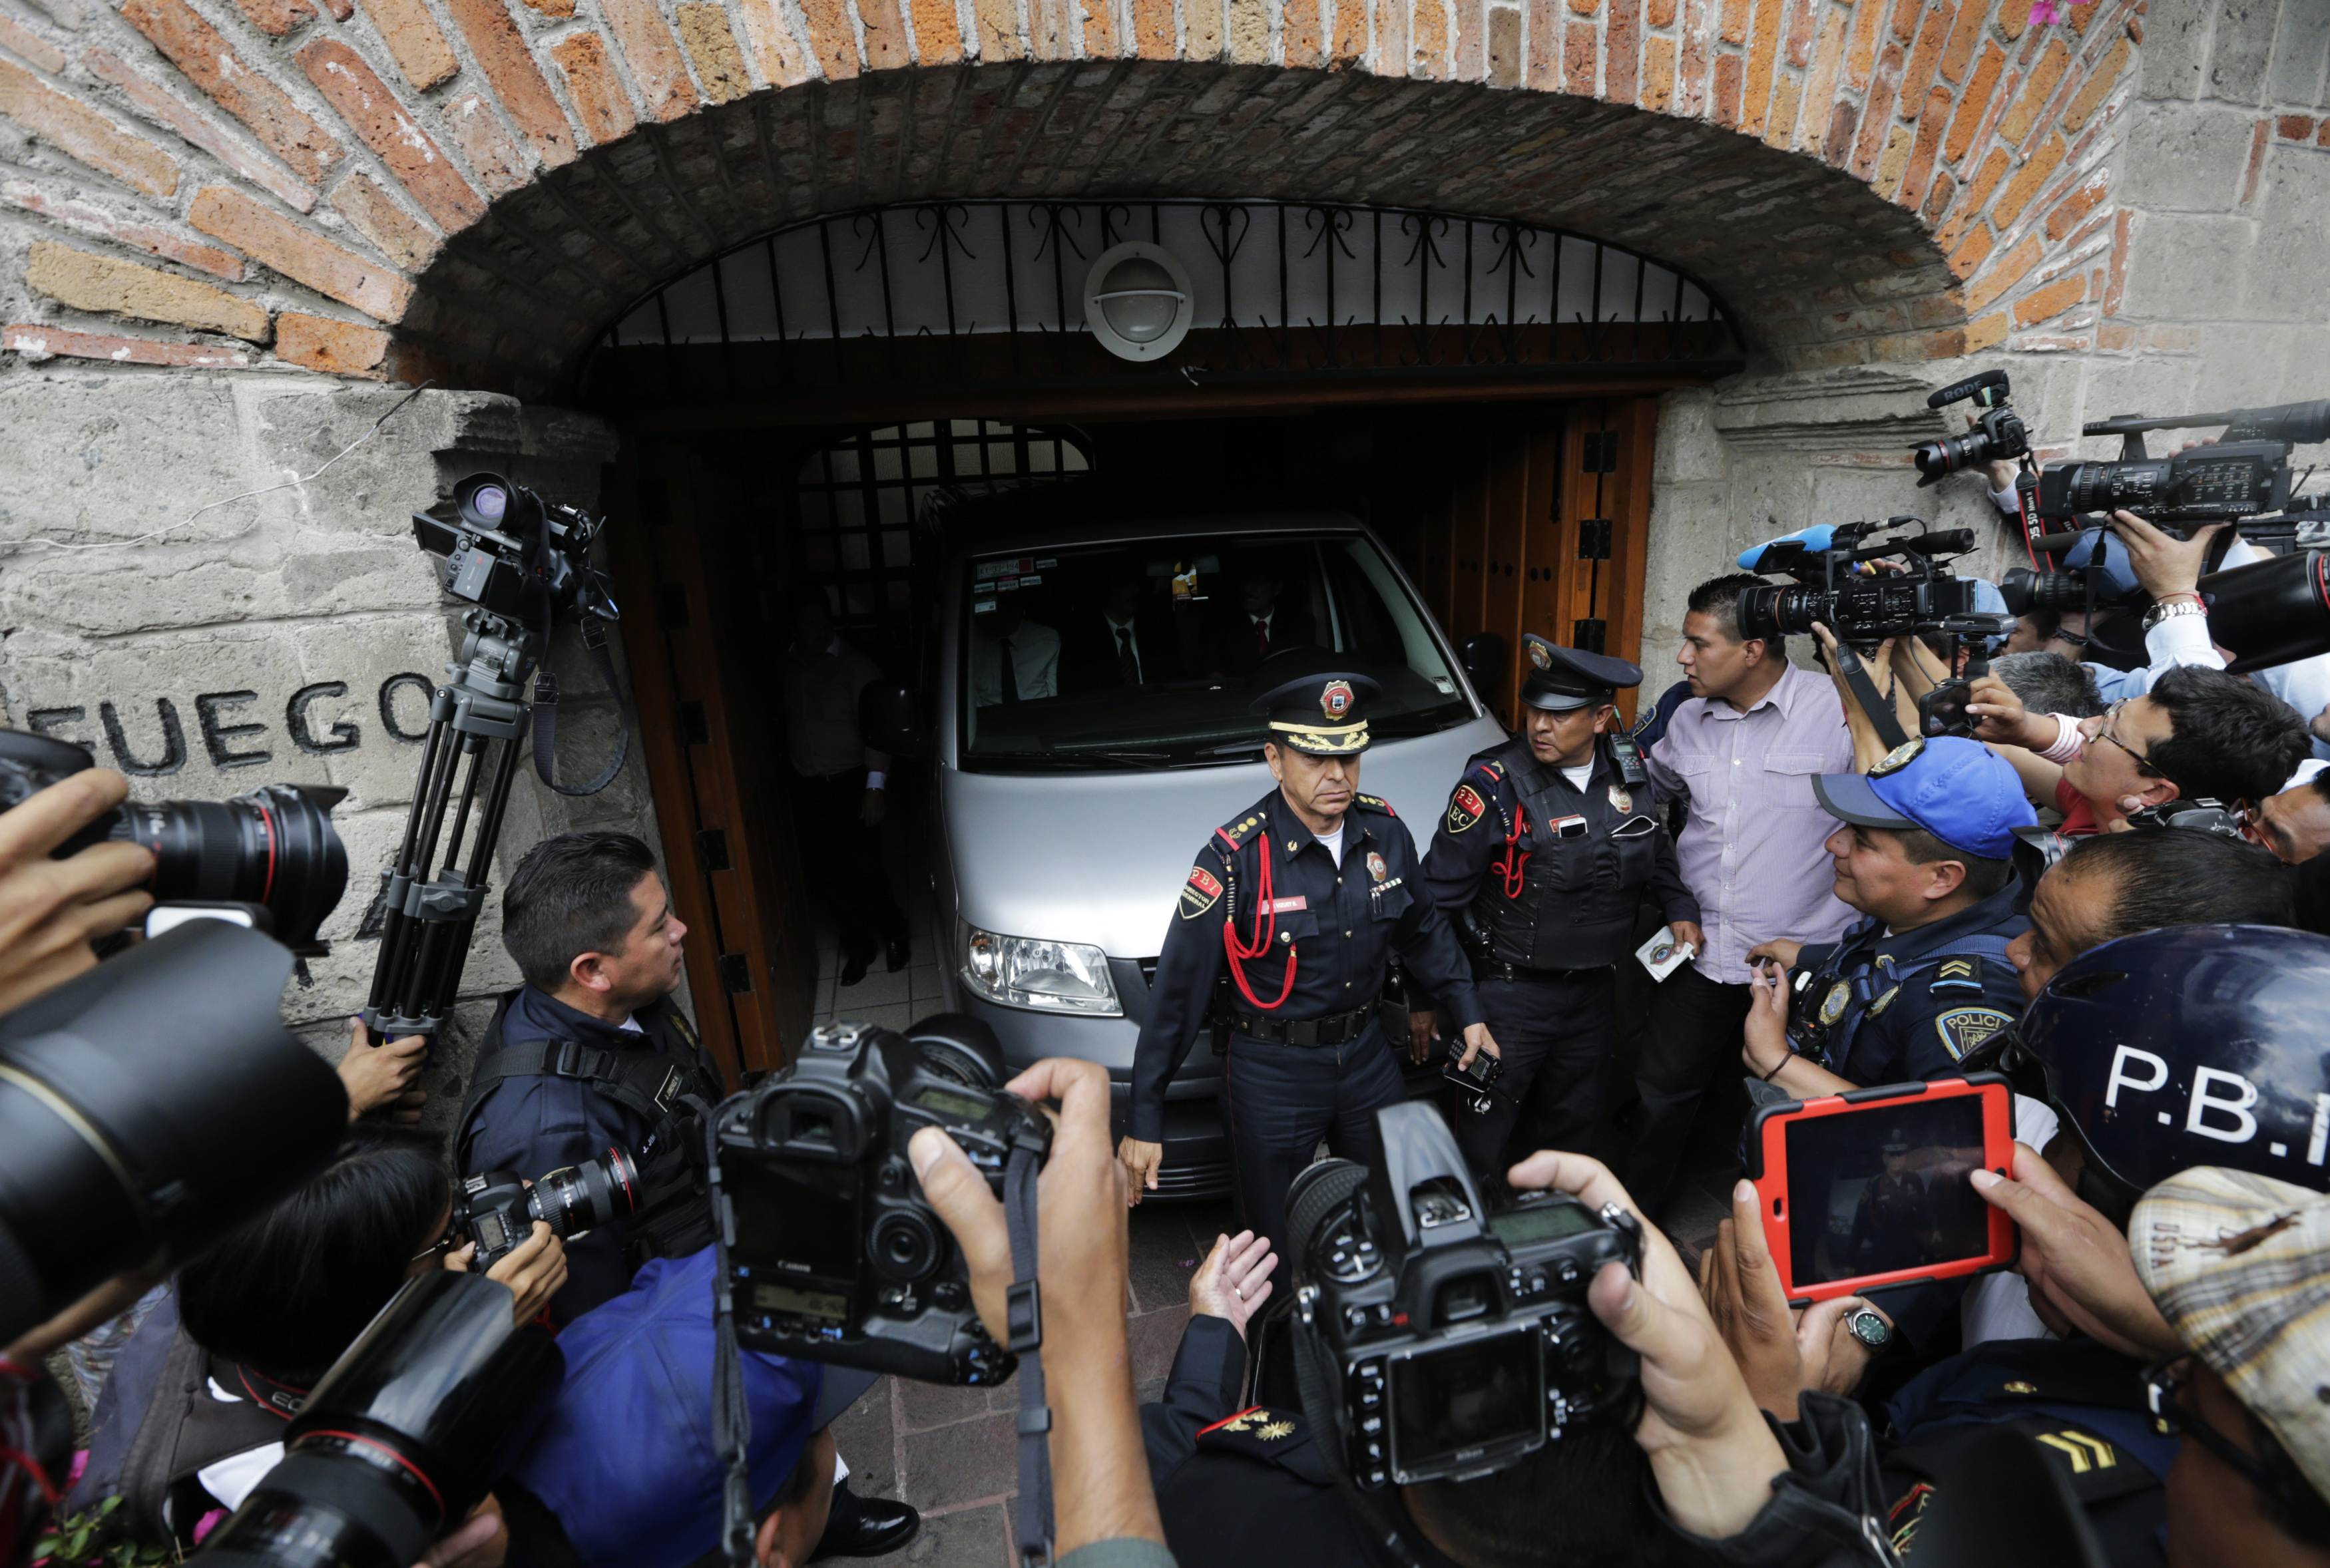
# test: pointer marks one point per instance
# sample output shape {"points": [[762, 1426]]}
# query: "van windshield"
{"points": [[1143, 654]]}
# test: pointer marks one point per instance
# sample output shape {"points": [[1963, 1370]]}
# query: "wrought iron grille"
{"points": [[993, 290]]}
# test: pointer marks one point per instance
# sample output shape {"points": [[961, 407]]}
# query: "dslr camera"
{"points": [[1440, 1330], [834, 1254], [273, 849], [497, 1209], [1998, 434]]}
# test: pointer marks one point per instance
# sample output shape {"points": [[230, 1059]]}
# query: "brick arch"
{"points": [[472, 188]]}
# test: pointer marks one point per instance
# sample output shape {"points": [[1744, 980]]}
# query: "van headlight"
{"points": [[1048, 977]]}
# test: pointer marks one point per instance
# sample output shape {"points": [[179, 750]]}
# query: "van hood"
{"points": [[1100, 858]]}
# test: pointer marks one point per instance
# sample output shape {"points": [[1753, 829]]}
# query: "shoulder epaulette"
{"points": [[1375, 803], [1236, 833], [1957, 976]]}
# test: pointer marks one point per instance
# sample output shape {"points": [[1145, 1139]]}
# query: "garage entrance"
{"points": [[798, 413]]}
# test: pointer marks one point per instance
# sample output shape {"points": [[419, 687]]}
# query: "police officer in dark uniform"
{"points": [[1924, 850], [1301, 899], [1542, 861], [592, 1052]]}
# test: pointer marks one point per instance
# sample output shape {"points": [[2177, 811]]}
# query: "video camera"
{"points": [[836, 1256], [1863, 609], [2244, 473], [273, 849], [1442, 1332], [507, 546], [497, 1209]]}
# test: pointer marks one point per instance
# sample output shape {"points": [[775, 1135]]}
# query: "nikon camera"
{"points": [[835, 1256], [1442, 1334]]}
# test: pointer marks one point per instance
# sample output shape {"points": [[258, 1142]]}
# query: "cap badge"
{"points": [[1336, 700], [1899, 758], [1538, 653], [1376, 866]]}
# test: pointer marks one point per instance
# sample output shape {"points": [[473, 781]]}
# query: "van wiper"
{"points": [[1082, 759], [1248, 749]]}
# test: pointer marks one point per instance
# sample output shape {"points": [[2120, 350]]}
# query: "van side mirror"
{"points": [[1482, 654], [890, 717]]}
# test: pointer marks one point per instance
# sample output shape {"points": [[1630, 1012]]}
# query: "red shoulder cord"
{"points": [[1265, 926], [1515, 865]]}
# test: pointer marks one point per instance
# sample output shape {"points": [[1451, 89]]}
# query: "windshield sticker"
{"points": [[1011, 568]]}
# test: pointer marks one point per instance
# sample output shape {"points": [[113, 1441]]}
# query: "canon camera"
{"points": [[1441, 1332], [835, 1255], [497, 1209]]}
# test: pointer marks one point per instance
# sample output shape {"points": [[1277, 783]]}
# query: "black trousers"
{"points": [[1693, 1043], [1557, 1037], [841, 859], [1280, 1100]]}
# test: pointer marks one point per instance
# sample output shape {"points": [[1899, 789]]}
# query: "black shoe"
{"points": [[894, 953], [853, 968], [864, 1526]]}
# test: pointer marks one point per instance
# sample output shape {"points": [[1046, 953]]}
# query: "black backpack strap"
{"points": [[650, 1086]]}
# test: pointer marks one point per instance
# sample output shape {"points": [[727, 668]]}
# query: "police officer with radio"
{"points": [[1297, 903], [1923, 849], [1543, 860]]}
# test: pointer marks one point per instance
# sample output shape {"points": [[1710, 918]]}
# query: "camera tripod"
{"points": [[519, 576]]}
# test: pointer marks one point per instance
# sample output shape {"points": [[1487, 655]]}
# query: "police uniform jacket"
{"points": [[1500, 865], [540, 1123], [1330, 929], [1877, 1009]]}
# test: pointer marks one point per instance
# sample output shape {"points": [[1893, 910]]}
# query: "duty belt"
{"points": [[1328, 1029], [1498, 970]]}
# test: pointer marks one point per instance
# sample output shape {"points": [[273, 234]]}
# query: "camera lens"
{"points": [[583, 1197], [905, 1245], [274, 846], [1951, 453], [1770, 611]]}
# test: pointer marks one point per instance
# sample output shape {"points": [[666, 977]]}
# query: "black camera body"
{"points": [[1998, 434], [1917, 597], [274, 849], [1475, 1086], [508, 547], [497, 1209], [2226, 480], [1441, 1333], [834, 1254]]}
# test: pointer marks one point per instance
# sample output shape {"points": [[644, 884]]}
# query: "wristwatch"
{"points": [[1870, 1328], [2171, 609]]}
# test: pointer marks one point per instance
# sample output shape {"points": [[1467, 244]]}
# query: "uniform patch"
{"points": [[1961, 975], [1466, 808], [1883, 1002], [1621, 798], [1832, 1005], [1336, 699], [1964, 1028], [1200, 893], [1376, 866]]}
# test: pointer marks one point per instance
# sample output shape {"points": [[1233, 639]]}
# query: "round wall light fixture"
{"points": [[1138, 300]]}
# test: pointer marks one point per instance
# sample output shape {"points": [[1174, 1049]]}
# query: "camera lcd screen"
{"points": [[821, 1304], [950, 1102], [1539, 1222], [1885, 1188], [797, 1213], [1466, 1396]]}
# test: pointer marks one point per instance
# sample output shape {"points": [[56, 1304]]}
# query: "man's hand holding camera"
{"points": [[2167, 568], [50, 910], [534, 1272]]}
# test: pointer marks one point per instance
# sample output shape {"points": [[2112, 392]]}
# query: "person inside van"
{"points": [[1118, 646], [1264, 620], [1013, 659]]}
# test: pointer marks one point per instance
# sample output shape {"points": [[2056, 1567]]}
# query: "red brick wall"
{"points": [[475, 187]]}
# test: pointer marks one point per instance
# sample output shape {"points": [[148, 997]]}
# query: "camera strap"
{"points": [[1872, 702], [732, 1418], [1024, 1312], [546, 715]]}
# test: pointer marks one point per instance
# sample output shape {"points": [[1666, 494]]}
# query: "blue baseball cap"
{"points": [[623, 1458], [1960, 792]]}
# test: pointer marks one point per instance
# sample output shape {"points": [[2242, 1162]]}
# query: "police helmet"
{"points": [[2191, 1046]]}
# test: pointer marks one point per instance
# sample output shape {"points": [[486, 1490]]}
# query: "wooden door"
{"points": [[693, 626]]}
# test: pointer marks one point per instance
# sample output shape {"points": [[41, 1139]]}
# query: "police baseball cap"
{"points": [[624, 1460], [1960, 792], [1564, 679], [1313, 704]]}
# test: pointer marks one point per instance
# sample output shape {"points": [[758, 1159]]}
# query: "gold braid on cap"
{"points": [[1333, 739]]}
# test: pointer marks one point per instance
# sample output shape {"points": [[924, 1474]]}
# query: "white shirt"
{"points": [[1335, 843], [1578, 777], [1034, 665]]}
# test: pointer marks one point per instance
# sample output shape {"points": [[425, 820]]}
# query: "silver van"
{"points": [[1087, 721]]}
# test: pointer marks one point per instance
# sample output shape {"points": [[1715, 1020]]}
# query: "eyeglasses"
{"points": [[2161, 1380], [2103, 732]]}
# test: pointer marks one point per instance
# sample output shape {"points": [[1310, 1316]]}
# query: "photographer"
{"points": [[2117, 885], [2048, 683], [191, 1419], [2295, 825], [2199, 734], [593, 1052]]}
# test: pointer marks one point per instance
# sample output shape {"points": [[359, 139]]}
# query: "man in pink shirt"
{"points": [[1740, 754]]}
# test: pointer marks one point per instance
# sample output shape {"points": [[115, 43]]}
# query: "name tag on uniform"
{"points": [[1286, 905]]}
